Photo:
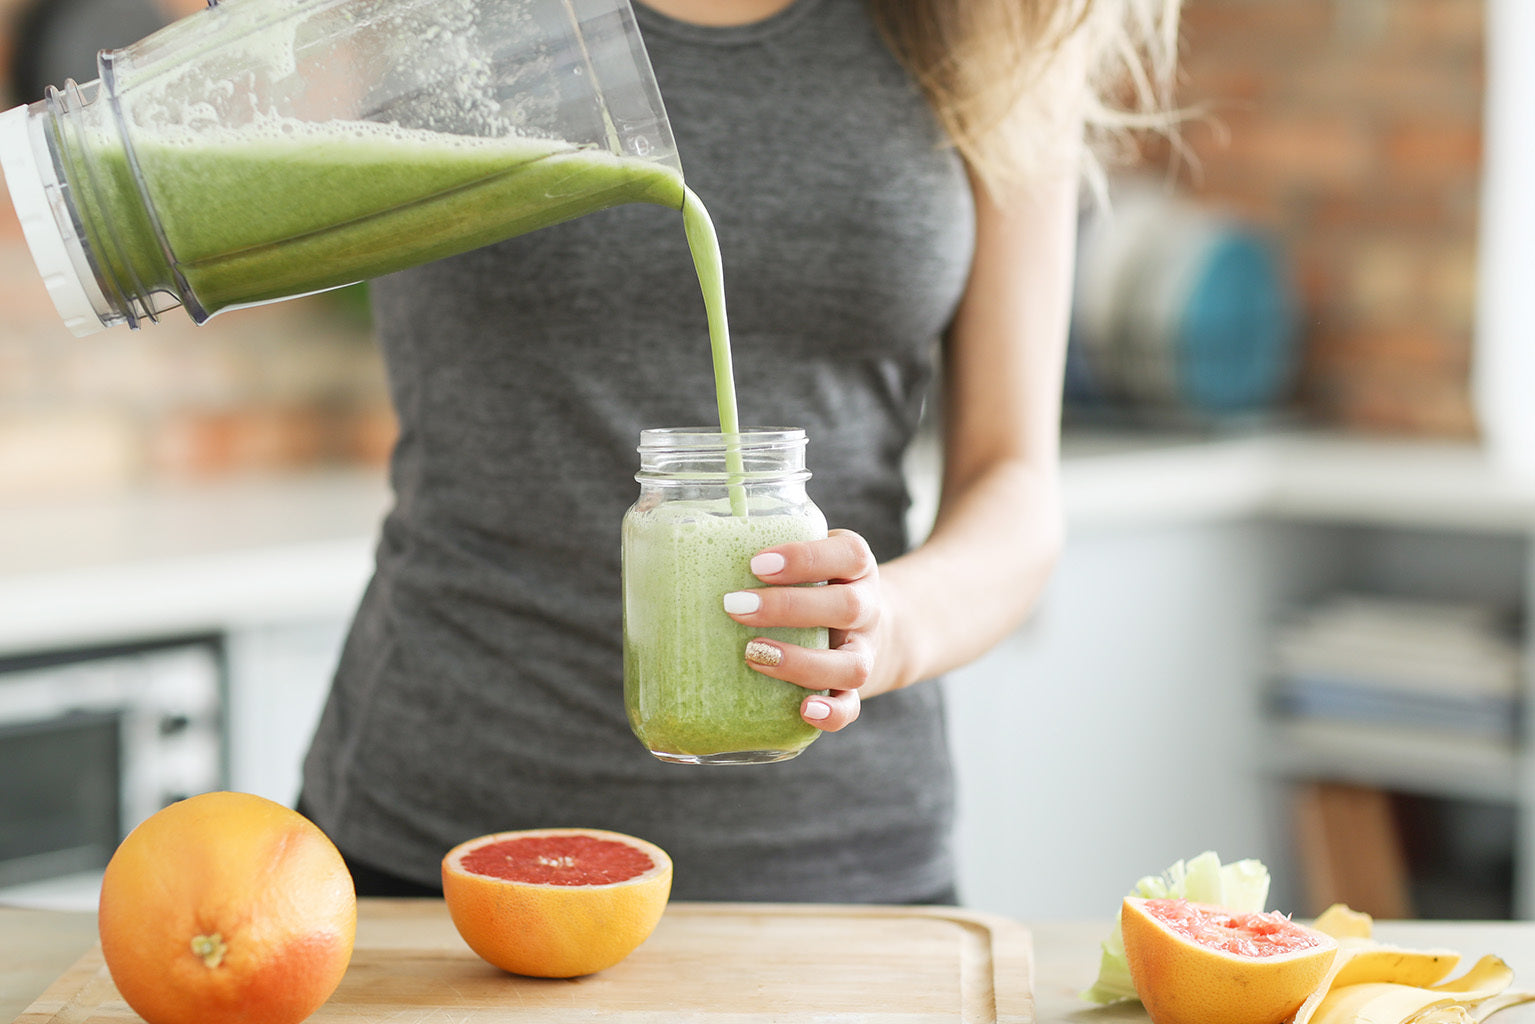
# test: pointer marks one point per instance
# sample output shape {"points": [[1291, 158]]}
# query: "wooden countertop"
{"points": [[36, 946]]}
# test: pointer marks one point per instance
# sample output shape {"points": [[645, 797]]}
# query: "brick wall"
{"points": [[292, 385], [1352, 128]]}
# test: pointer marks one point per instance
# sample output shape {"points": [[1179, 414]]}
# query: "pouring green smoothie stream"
{"points": [[708, 503]]}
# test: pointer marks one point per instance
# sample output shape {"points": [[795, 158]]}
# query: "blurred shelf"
{"points": [[1424, 761], [1299, 475], [1447, 485]]}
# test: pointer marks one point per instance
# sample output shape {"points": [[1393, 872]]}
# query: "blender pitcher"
{"points": [[263, 149]]}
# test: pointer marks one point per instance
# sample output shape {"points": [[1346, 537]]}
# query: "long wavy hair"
{"points": [[1017, 83]]}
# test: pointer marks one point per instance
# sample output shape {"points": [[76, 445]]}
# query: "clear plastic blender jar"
{"points": [[262, 149]]}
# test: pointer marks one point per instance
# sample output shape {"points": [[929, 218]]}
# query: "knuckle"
{"points": [[799, 561], [863, 556], [843, 555], [859, 607], [860, 670], [859, 662]]}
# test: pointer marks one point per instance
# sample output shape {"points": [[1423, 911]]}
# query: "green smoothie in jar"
{"points": [[690, 695]]}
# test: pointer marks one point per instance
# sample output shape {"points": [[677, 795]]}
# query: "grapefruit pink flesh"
{"points": [[1251, 934], [558, 860]]}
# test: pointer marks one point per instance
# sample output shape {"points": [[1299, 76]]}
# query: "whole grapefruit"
{"points": [[1197, 964], [558, 902], [226, 908]]}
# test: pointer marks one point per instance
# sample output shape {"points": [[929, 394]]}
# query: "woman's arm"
{"points": [[998, 529]]}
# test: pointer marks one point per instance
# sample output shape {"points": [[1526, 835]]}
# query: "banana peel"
{"points": [[1372, 983]]}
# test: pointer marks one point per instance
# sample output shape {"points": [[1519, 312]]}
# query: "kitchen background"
{"points": [[1288, 623]]}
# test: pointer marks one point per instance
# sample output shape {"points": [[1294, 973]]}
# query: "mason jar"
{"points": [[708, 502]]}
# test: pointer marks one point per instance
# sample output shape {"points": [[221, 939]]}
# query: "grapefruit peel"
{"points": [[223, 908], [1195, 963], [1371, 981], [1242, 886], [1368, 980], [569, 924]]}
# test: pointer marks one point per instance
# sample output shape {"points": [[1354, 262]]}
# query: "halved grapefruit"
{"points": [[556, 902], [1193, 963]]}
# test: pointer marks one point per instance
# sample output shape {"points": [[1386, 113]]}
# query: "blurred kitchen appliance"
{"points": [[94, 741]]}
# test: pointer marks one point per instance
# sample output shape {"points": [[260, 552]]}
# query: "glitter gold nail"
{"points": [[759, 652]]}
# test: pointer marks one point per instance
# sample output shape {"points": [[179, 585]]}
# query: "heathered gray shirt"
{"points": [[481, 687]]}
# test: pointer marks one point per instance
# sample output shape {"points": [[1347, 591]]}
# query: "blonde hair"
{"points": [[1020, 85]]}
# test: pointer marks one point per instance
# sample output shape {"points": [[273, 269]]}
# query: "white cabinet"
{"points": [[279, 674], [1118, 731], [1126, 726], [238, 586]]}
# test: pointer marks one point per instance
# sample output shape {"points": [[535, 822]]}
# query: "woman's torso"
{"points": [[481, 688]]}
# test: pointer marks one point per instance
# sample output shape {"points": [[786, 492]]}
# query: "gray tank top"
{"points": [[481, 686]]}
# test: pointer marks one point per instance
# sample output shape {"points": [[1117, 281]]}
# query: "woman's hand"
{"points": [[849, 606]]}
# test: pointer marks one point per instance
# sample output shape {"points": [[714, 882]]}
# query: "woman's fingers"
{"points": [[845, 667], [843, 556], [849, 606], [849, 599], [841, 670], [832, 711], [843, 562], [846, 604]]}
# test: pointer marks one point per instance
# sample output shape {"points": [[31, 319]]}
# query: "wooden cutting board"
{"points": [[706, 962]]}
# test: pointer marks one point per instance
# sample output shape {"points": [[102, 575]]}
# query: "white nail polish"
{"points": [[816, 710], [768, 563], [742, 602]]}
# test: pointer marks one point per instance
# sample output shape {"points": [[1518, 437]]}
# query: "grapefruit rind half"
{"points": [[225, 908], [1239, 885], [1184, 979], [547, 930]]}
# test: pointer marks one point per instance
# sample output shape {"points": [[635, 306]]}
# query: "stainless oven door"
{"points": [[93, 741], [61, 803]]}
